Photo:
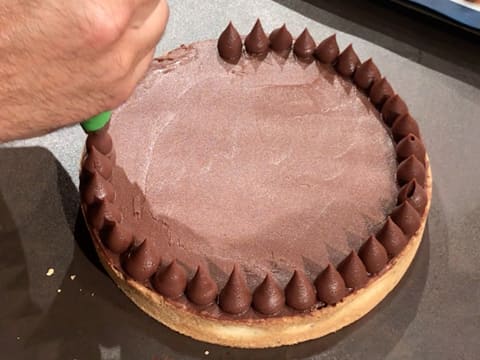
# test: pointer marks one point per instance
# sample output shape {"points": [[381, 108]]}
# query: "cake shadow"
{"points": [[17, 308], [38, 204]]}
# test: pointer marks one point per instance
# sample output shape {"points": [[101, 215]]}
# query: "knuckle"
{"points": [[106, 24]]}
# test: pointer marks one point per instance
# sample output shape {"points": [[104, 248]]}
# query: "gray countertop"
{"points": [[78, 313]]}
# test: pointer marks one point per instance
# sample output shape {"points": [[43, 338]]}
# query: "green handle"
{"points": [[97, 122]]}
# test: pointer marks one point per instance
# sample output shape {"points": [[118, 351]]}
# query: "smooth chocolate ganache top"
{"points": [[273, 165]]}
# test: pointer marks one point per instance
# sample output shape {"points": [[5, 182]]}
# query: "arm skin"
{"points": [[62, 62]]}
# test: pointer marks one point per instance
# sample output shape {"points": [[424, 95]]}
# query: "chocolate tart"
{"points": [[258, 191]]}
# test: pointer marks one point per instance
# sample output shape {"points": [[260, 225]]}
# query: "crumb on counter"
{"points": [[50, 272], [72, 277]]}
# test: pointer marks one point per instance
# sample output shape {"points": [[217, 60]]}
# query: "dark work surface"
{"points": [[411, 34], [434, 313]]}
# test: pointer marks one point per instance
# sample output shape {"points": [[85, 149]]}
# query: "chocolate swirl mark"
{"points": [[153, 137], [257, 42], [169, 62], [307, 104], [230, 45]]}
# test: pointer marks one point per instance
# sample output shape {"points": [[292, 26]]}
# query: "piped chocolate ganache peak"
{"points": [[270, 190]]}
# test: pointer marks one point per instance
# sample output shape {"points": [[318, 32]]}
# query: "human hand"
{"points": [[62, 62]]}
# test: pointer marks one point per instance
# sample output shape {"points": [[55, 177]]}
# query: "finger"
{"points": [[125, 88], [142, 68], [121, 61], [103, 24], [143, 12], [136, 4], [146, 37]]}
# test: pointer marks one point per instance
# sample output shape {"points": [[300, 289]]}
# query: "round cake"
{"points": [[258, 191]]}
